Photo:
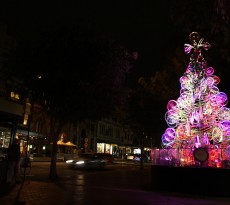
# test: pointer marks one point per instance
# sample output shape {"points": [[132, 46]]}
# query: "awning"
{"points": [[59, 142], [70, 144]]}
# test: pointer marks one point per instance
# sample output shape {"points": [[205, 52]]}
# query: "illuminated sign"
{"points": [[14, 96]]}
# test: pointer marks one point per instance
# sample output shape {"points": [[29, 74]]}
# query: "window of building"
{"points": [[4, 138]]}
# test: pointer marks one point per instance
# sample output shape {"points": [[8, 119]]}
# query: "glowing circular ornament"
{"points": [[216, 79], [214, 90], [206, 97], [180, 131], [221, 99], [171, 104], [165, 141], [171, 117], [217, 135], [168, 137], [225, 126], [171, 134], [180, 102], [210, 81], [183, 92], [225, 113], [194, 36], [183, 80], [209, 71], [203, 85]]}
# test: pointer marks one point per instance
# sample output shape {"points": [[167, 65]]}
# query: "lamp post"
{"points": [[142, 150]]}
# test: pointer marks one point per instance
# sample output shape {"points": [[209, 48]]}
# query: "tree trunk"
{"points": [[142, 156], [53, 168], [54, 134]]}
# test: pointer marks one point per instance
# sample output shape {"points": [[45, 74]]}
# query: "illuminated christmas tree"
{"points": [[199, 121]]}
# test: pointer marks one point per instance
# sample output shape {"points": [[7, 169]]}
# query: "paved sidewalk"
{"points": [[49, 193], [39, 190], [34, 193]]}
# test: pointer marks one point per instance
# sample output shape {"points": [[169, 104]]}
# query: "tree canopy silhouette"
{"points": [[74, 73]]}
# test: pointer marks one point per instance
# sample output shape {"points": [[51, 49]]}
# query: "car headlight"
{"points": [[69, 161], [80, 162]]}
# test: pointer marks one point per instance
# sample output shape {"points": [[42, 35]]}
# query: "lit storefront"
{"points": [[5, 138], [22, 137], [106, 148]]}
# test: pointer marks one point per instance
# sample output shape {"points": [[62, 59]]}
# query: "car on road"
{"points": [[137, 157], [86, 161], [106, 156]]}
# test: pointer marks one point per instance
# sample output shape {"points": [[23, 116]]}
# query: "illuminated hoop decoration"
{"points": [[217, 135], [199, 117], [169, 137], [225, 126]]}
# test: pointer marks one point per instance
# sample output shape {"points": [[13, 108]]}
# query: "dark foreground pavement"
{"points": [[129, 186]]}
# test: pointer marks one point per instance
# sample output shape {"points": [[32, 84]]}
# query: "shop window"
{"points": [[5, 139]]}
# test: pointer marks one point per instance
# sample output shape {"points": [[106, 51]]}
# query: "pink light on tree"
{"points": [[199, 117]]}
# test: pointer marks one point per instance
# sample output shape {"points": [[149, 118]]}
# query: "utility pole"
{"points": [[142, 151]]}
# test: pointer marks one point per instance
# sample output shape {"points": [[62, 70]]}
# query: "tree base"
{"points": [[191, 180]]}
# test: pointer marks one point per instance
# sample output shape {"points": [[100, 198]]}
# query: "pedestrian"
{"points": [[14, 158]]}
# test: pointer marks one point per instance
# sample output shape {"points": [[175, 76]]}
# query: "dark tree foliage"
{"points": [[74, 73], [210, 18], [149, 100]]}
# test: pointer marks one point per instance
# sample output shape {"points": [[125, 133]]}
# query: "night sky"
{"points": [[142, 27], [152, 28]]}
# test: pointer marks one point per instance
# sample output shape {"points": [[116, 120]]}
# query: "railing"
{"points": [[213, 157]]}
